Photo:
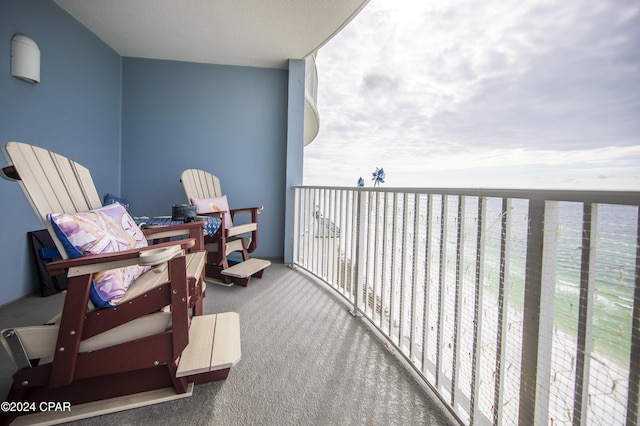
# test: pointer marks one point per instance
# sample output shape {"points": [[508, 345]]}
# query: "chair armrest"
{"points": [[195, 230], [253, 211], [187, 226], [257, 209], [103, 262], [156, 256], [219, 213]]}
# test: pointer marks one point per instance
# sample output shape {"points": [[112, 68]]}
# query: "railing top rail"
{"points": [[631, 198]]}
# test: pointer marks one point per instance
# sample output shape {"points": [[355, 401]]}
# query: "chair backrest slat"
{"points": [[52, 183], [200, 184]]}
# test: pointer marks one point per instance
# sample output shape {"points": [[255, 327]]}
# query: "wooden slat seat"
{"points": [[242, 229]]}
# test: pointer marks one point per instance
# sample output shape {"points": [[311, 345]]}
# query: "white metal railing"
{"points": [[516, 307]]}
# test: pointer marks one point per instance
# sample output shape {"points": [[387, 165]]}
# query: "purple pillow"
{"points": [[108, 229]]}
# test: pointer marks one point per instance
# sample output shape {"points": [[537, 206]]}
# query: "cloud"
{"points": [[473, 86], [374, 82]]}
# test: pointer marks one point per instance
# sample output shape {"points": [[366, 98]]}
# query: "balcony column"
{"points": [[295, 145]]}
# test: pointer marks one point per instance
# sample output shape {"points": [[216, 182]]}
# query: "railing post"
{"points": [[414, 275], [633, 397], [392, 279], [370, 263], [304, 229], [457, 298], [538, 312], [295, 252], [503, 309], [474, 410], [441, 283], [403, 259], [383, 292], [332, 237], [340, 269], [585, 314], [318, 240], [428, 283], [360, 255], [375, 212]]}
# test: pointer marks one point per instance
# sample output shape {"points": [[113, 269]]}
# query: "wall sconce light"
{"points": [[25, 59]]}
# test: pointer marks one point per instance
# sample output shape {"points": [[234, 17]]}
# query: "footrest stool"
{"points": [[214, 347], [243, 271]]}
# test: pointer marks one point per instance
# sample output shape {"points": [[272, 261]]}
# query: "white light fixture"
{"points": [[25, 59]]}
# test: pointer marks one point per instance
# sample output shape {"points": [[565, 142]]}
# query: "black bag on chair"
{"points": [[44, 251]]}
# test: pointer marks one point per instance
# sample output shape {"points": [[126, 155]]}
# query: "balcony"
{"points": [[477, 306], [515, 307]]}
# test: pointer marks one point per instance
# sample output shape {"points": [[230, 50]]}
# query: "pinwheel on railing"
{"points": [[378, 176], [360, 181]]}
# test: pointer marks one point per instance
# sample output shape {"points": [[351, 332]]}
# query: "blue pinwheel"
{"points": [[378, 176], [360, 181]]}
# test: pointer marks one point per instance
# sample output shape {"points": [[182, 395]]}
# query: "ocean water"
{"points": [[613, 274], [614, 277]]}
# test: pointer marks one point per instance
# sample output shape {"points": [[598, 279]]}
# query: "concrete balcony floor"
{"points": [[305, 361]]}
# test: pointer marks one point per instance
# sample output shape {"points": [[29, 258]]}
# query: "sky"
{"points": [[495, 94]]}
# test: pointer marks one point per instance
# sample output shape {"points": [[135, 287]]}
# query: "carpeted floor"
{"points": [[305, 361]]}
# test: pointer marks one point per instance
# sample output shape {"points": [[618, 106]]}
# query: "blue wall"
{"points": [[74, 110], [229, 121]]}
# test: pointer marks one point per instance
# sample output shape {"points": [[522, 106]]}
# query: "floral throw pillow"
{"points": [[108, 229], [216, 204]]}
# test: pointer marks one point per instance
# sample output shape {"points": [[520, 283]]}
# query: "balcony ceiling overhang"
{"points": [[256, 33]]}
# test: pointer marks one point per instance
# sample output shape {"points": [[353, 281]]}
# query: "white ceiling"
{"points": [[259, 33]]}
